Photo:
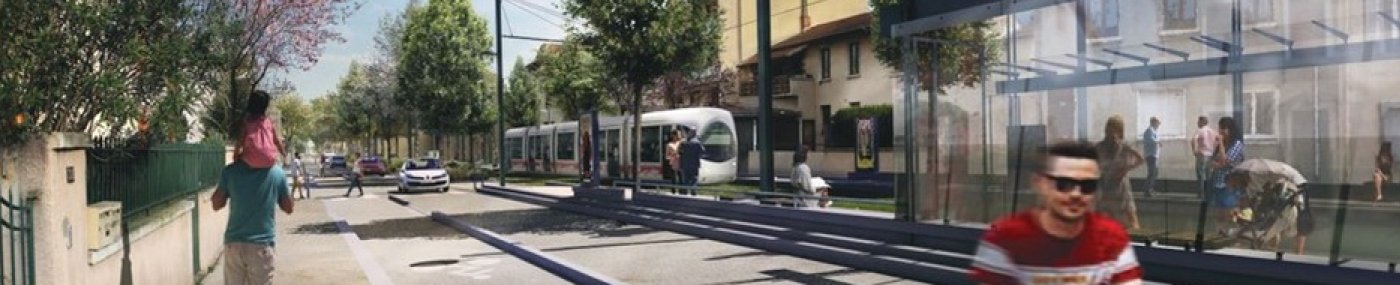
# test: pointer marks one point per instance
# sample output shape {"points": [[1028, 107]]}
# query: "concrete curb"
{"points": [[571, 272]]}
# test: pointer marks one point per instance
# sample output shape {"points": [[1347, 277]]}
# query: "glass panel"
{"points": [[719, 142], [564, 146], [651, 144]]}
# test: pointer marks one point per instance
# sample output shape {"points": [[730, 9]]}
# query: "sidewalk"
{"points": [[307, 251]]}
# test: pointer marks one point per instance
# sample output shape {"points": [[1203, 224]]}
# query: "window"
{"points": [[1381, 27], [1257, 12], [1178, 15], [1169, 106], [516, 150], [613, 142], [809, 133], [719, 142], [826, 63], [1102, 19], [565, 146], [855, 104], [541, 151], [651, 144], [1023, 22], [1260, 113], [855, 58]]}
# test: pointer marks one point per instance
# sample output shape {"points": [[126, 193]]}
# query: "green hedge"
{"points": [[842, 132]]}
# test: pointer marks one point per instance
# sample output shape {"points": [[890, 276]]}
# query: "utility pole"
{"points": [[503, 163], [765, 97]]}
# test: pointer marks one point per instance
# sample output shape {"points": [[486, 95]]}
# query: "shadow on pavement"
{"points": [[406, 228], [798, 277], [323, 228], [740, 255], [548, 222], [606, 245]]}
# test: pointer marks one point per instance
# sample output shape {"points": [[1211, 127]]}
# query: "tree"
{"points": [[524, 89], [960, 58], [294, 118], [97, 67], [573, 79], [253, 38], [638, 41], [441, 69]]}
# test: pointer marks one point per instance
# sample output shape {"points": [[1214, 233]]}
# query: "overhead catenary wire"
{"points": [[532, 12], [541, 8]]}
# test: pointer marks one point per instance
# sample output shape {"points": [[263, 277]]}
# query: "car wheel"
{"points": [[444, 189]]}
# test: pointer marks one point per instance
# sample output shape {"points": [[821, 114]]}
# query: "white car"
{"points": [[425, 174]]}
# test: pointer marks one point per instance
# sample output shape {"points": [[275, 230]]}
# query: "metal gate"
{"points": [[16, 237]]}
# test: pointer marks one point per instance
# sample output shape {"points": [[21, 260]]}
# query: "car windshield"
{"points": [[422, 164], [338, 159], [370, 159]]}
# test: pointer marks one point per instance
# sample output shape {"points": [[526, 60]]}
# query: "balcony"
{"points": [[782, 87]]}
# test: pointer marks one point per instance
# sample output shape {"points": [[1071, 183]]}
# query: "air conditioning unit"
{"points": [[103, 223]]}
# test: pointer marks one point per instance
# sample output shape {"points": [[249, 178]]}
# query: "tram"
{"points": [[555, 148]]}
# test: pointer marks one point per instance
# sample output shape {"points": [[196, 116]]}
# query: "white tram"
{"points": [[555, 148]]}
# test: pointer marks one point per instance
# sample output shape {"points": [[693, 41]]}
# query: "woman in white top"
{"points": [[806, 185]]}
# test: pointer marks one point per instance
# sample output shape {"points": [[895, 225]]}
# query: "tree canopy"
{"points": [[961, 62], [522, 96], [442, 71], [573, 79]]}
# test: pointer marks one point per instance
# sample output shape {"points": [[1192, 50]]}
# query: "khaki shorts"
{"points": [[246, 263]]}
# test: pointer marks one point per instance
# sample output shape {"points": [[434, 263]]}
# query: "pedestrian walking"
{"points": [[252, 194], [1224, 197], [1385, 162], [354, 177], [585, 164], [1062, 240], [1203, 145], [1116, 160], [1152, 149], [300, 184], [691, 151]]}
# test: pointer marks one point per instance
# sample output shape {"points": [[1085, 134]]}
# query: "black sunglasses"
{"points": [[1066, 184]]}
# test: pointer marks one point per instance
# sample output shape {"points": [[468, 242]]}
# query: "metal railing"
{"points": [[141, 178], [16, 238]]}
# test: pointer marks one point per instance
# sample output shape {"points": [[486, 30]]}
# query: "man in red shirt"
{"points": [[1061, 241]]}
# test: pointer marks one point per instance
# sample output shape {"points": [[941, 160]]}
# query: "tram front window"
{"points": [[718, 141]]}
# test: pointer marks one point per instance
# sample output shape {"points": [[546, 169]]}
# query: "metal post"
{"points": [[195, 232], [1081, 95], [910, 81], [1334, 257], [765, 97], [502, 163], [1237, 77]]}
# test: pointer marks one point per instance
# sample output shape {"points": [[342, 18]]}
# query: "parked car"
{"points": [[425, 174], [372, 165], [333, 165]]}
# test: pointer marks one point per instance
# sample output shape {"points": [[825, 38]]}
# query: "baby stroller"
{"points": [[1276, 208], [1273, 191]]}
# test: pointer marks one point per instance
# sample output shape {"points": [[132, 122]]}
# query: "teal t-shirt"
{"points": [[253, 195]]}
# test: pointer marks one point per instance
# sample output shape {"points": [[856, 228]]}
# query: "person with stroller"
{"points": [[1274, 207]]}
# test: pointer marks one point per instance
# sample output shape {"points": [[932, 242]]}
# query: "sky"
{"points": [[359, 31]]}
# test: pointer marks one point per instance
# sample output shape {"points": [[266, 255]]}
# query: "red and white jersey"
{"points": [[1016, 250]]}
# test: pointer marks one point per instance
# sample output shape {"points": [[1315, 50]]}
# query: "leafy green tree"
{"points": [[960, 60], [442, 69], [295, 118], [637, 41], [522, 95], [99, 67], [573, 78]]}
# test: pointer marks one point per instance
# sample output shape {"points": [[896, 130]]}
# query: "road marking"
{"points": [[371, 268]]}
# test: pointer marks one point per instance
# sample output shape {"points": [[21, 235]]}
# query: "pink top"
{"points": [[1207, 139], [259, 142]]}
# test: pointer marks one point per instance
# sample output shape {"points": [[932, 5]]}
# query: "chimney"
{"points": [[806, 20]]}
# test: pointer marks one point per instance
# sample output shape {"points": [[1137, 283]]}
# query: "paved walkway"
{"points": [[368, 239]]}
